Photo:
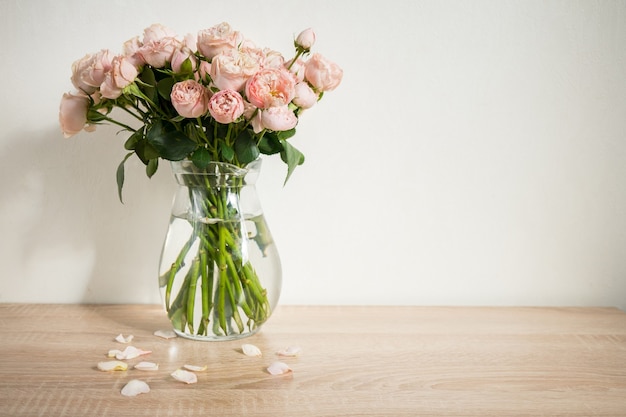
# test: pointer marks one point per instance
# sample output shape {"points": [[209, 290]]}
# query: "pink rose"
{"points": [[123, 72], [131, 50], [305, 97], [88, 72], [204, 70], [190, 41], [270, 87], [305, 39], [73, 113], [296, 68], [158, 53], [180, 56], [190, 98], [213, 41], [278, 118], [272, 59], [156, 32], [226, 106], [323, 74], [231, 69]]}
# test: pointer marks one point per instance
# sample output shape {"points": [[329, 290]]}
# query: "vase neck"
{"points": [[215, 174]]}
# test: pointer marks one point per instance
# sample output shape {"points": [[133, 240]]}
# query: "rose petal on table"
{"points": [[278, 368], [250, 350], [131, 352], [195, 368], [135, 387], [289, 351], [120, 338], [147, 366], [184, 376], [113, 353], [112, 366], [165, 334]]}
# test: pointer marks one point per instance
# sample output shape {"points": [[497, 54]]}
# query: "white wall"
{"points": [[475, 154]]}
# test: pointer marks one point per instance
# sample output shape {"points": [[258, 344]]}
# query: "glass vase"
{"points": [[219, 273]]}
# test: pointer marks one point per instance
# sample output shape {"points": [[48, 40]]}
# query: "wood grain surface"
{"points": [[355, 361]]}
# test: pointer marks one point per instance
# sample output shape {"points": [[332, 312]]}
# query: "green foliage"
{"points": [[291, 156], [246, 148], [148, 84], [120, 176], [152, 167], [270, 144], [170, 143], [201, 158]]}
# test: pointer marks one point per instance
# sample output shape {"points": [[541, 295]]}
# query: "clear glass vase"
{"points": [[219, 274]]}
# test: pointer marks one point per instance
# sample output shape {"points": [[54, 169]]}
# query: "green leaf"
{"points": [[120, 176], [95, 116], [148, 83], [186, 67], [286, 134], [171, 144], [228, 153], [165, 87], [246, 148], [292, 157], [145, 151], [132, 141], [201, 158], [152, 167], [270, 144]]}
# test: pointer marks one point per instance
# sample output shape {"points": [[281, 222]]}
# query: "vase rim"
{"points": [[215, 168]]}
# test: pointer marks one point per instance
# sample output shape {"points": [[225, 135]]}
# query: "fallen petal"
{"points": [[250, 350], [278, 368], [130, 352], [185, 376], [112, 366], [290, 351], [195, 368], [135, 387], [147, 366], [113, 353], [165, 334], [120, 338]]}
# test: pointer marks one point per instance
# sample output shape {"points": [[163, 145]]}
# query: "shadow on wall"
{"points": [[65, 235]]}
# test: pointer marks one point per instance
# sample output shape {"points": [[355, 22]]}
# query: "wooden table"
{"points": [[355, 361]]}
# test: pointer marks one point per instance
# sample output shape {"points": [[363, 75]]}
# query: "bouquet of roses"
{"points": [[212, 97]]}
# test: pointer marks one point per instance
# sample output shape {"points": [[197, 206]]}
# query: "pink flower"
{"points": [[181, 55], [272, 59], [204, 70], [213, 41], [190, 98], [88, 72], [123, 72], [73, 113], [296, 68], [305, 97], [270, 87], [323, 74], [231, 69], [131, 50], [278, 118], [305, 39], [156, 32], [226, 106], [158, 52]]}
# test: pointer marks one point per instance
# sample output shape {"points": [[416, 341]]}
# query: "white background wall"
{"points": [[475, 154]]}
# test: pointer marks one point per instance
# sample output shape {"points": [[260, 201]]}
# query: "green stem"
{"points": [[191, 295], [174, 270], [207, 290]]}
